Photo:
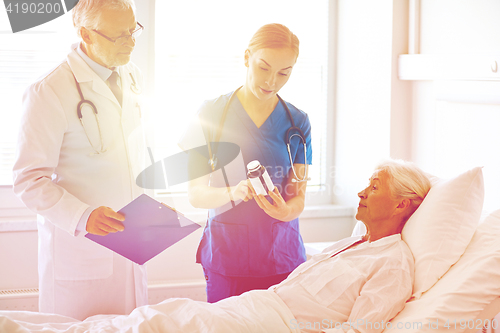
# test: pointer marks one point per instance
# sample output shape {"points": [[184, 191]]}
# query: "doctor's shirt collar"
{"points": [[103, 72]]}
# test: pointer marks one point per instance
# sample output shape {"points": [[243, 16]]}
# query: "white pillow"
{"points": [[463, 292], [442, 227]]}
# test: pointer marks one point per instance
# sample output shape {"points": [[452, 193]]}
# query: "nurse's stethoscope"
{"points": [[133, 86], [288, 139]]}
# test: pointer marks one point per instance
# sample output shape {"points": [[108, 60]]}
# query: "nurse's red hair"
{"points": [[274, 36]]}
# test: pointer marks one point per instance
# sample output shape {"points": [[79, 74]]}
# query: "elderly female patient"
{"points": [[362, 282], [356, 285]]}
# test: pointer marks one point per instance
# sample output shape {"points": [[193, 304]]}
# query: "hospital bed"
{"points": [[457, 280]]}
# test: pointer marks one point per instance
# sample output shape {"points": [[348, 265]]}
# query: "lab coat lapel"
{"points": [[129, 102], [84, 73], [126, 83]]}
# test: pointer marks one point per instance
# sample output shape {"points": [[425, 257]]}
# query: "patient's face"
{"points": [[376, 204]]}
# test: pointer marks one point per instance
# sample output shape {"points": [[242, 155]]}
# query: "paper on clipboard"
{"points": [[150, 228]]}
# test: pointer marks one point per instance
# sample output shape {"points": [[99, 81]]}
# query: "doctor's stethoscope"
{"points": [[288, 138], [133, 86]]}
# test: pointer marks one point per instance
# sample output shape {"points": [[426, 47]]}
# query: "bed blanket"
{"points": [[255, 311]]}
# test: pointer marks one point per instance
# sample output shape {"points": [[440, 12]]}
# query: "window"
{"points": [[24, 56], [199, 48]]}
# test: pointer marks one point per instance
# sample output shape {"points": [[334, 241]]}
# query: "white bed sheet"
{"points": [[255, 311]]}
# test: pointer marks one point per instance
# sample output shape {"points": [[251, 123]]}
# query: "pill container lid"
{"points": [[253, 166]]}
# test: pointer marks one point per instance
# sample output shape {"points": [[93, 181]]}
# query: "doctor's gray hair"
{"points": [[87, 13], [406, 181]]}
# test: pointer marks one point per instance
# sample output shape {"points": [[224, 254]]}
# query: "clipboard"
{"points": [[150, 228]]}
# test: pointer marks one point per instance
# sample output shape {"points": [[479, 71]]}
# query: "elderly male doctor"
{"points": [[76, 176]]}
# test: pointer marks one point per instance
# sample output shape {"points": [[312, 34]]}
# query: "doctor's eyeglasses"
{"points": [[123, 39]]}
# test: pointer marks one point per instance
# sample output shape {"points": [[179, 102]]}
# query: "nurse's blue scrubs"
{"points": [[243, 248]]}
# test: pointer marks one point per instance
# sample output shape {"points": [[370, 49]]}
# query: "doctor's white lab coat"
{"points": [[58, 175]]}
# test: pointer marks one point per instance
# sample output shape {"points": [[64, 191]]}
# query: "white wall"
{"points": [[373, 117], [460, 26], [379, 115], [450, 137]]}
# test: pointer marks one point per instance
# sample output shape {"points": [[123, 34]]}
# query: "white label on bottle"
{"points": [[257, 186], [269, 182]]}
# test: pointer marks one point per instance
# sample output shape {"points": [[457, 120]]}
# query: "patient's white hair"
{"points": [[406, 181], [87, 13]]}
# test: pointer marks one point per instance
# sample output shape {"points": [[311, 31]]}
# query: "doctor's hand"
{"points": [[242, 191], [104, 220], [278, 209]]}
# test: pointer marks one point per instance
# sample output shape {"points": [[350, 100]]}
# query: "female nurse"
{"points": [[253, 242]]}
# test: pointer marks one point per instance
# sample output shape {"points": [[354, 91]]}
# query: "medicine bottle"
{"points": [[259, 178]]}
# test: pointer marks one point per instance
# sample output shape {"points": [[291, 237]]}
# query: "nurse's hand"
{"points": [[278, 209], [242, 191], [104, 220]]}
